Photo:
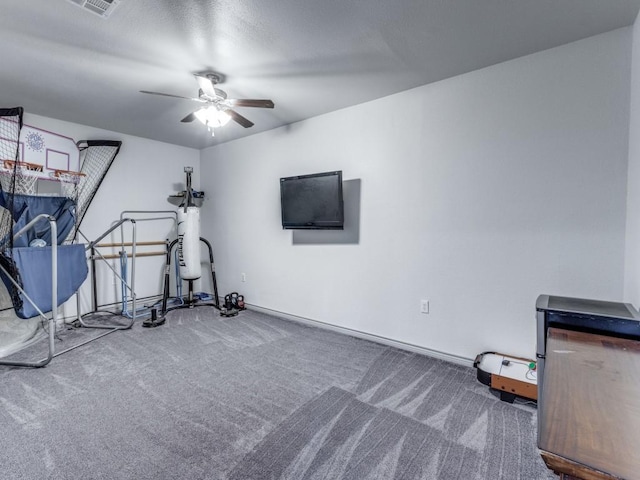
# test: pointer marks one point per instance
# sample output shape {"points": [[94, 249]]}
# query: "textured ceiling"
{"points": [[60, 61]]}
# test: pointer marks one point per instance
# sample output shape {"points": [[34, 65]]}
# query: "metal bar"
{"points": [[133, 272], [167, 271], [129, 244], [104, 334], [54, 280], [94, 287], [129, 255], [213, 272], [126, 326], [171, 214], [78, 304], [113, 227], [32, 223]]}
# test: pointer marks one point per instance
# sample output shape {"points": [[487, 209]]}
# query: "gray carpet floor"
{"points": [[255, 397]]}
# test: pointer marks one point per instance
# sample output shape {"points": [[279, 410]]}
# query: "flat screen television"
{"points": [[312, 202]]}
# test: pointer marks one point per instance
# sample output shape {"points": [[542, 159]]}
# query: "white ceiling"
{"points": [[309, 57]]}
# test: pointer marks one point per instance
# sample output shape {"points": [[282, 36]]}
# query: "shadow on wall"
{"points": [[350, 234]]}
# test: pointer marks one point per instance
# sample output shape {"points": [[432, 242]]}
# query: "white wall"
{"points": [[632, 251], [479, 193], [142, 176]]}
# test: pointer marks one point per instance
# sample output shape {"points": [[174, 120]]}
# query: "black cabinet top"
{"points": [[584, 306]]}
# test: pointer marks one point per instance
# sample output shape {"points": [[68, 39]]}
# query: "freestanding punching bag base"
{"points": [[190, 300], [153, 321]]}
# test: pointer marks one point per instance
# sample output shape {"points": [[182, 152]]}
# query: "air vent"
{"points": [[102, 8]]}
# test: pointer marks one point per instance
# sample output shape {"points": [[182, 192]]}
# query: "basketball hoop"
{"points": [[26, 176], [69, 181]]}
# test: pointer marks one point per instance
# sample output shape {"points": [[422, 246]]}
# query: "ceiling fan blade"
{"points": [[247, 102], [206, 86], [189, 118], [236, 117], [174, 96]]}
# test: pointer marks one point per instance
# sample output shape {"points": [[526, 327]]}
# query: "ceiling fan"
{"points": [[217, 108]]}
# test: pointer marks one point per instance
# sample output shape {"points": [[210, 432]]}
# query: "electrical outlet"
{"points": [[424, 306], [244, 277]]}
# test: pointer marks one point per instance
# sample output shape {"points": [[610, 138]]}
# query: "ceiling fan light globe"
{"points": [[223, 117], [212, 117], [201, 114]]}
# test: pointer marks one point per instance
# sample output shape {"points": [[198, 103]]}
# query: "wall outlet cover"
{"points": [[424, 306]]}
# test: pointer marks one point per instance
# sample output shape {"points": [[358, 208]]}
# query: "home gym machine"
{"points": [[188, 255]]}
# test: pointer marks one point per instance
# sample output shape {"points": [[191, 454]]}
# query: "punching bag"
{"points": [[189, 243]]}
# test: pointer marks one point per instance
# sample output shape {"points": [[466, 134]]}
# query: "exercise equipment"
{"points": [[191, 299], [130, 250], [230, 308], [37, 232], [189, 243], [188, 246], [233, 303]]}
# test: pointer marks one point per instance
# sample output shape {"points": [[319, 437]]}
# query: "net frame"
{"points": [[10, 129]]}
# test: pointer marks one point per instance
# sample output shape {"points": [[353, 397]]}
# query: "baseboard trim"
{"points": [[467, 362]]}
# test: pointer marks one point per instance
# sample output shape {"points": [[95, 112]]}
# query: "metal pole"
{"points": [[133, 271], [94, 286], [54, 282]]}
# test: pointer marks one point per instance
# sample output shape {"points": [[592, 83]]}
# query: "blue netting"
{"points": [[24, 208], [30, 267]]}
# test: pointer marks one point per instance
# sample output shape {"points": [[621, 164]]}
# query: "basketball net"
{"points": [[69, 181], [25, 175]]}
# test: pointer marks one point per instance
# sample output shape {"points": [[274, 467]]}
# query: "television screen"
{"points": [[312, 201]]}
